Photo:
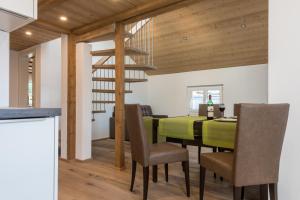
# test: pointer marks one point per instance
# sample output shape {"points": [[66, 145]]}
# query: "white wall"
{"points": [[19, 77], [4, 69], [47, 75], [167, 94], [83, 101], [51, 74], [14, 79], [23, 78], [64, 97], [284, 84]]}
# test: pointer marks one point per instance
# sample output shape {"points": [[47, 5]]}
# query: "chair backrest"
{"points": [[236, 108], [203, 110], [137, 133], [146, 110], [259, 139]]}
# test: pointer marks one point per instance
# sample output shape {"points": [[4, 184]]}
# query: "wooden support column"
{"points": [[120, 91], [71, 127]]}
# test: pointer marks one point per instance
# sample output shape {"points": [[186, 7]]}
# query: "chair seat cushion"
{"points": [[220, 163], [167, 153]]}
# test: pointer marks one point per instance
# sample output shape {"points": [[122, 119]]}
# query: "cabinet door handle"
{"points": [[13, 121]]}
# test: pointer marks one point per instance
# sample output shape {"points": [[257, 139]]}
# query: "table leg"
{"points": [[199, 153], [154, 175], [155, 131], [154, 141]]}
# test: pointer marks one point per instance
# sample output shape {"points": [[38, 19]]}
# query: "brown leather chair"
{"points": [[203, 110], [146, 111], [151, 155], [255, 161], [236, 108]]}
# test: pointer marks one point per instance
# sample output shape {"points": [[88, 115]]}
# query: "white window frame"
{"points": [[205, 89]]}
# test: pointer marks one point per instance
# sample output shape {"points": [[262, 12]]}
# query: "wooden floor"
{"points": [[99, 179]]}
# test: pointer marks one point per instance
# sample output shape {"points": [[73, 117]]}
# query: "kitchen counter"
{"points": [[29, 149], [25, 113]]}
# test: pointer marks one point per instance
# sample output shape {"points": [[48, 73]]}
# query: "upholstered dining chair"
{"points": [[255, 160], [203, 110], [236, 108], [151, 155]]}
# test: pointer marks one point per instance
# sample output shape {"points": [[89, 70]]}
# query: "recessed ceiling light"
{"points": [[63, 18], [28, 33]]}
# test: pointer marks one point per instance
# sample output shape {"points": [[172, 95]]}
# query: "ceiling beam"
{"points": [[50, 27], [44, 5], [154, 7], [97, 34]]}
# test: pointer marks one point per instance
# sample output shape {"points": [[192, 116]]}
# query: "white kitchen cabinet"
{"points": [[21, 7], [17, 13], [29, 159]]}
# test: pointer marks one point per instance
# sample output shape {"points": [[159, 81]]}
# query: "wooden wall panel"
{"points": [[211, 34]]}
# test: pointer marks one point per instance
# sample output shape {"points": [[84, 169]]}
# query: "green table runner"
{"points": [[219, 134], [178, 127], [148, 121]]}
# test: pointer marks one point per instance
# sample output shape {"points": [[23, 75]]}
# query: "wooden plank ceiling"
{"points": [[204, 35], [212, 34], [79, 13]]}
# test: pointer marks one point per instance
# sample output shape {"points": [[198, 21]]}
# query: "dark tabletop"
{"points": [[25, 113]]}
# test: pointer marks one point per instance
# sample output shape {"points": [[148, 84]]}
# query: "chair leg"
{"points": [[218, 149], [187, 177], [167, 172], [273, 191], [243, 193], [237, 193], [154, 173], [202, 182], [146, 181], [264, 192], [133, 171]]}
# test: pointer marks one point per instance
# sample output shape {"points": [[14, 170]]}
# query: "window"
{"points": [[199, 95]]}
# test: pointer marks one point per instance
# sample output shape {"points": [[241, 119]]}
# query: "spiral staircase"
{"points": [[138, 41]]}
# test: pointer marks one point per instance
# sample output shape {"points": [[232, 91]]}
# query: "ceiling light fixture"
{"points": [[63, 18], [28, 33]]}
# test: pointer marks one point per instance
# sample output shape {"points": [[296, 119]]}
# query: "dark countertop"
{"points": [[25, 113]]}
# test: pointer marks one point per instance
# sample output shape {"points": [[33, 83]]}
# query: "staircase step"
{"points": [[105, 102], [98, 111], [128, 80], [108, 91], [128, 51], [127, 67]]}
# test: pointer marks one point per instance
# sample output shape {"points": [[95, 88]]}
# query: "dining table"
{"points": [[195, 131]]}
